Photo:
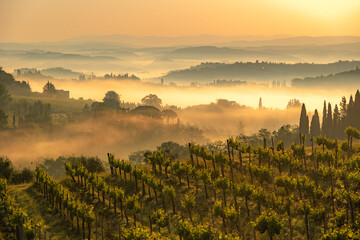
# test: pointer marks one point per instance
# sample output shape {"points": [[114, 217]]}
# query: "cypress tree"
{"points": [[260, 104], [307, 126], [356, 112], [315, 125], [350, 110], [323, 124], [336, 123], [343, 115], [304, 121], [329, 122]]}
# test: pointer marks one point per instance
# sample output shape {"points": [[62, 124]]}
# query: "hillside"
{"points": [[257, 71], [211, 52], [249, 40], [13, 86], [225, 191], [339, 80], [48, 55], [60, 73]]}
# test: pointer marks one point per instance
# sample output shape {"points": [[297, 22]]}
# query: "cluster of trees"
{"points": [[24, 113], [14, 87], [169, 149], [13, 175], [119, 76], [288, 134], [293, 103], [21, 112], [111, 101], [334, 122], [150, 107], [55, 167], [4, 101]]}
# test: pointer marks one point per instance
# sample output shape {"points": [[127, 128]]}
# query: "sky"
{"points": [[54, 20]]}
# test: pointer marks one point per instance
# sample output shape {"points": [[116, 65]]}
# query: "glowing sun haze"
{"points": [[52, 20]]}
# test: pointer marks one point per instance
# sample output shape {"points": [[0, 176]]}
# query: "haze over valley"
{"points": [[189, 120]]}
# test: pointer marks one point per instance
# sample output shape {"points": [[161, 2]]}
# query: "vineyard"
{"points": [[231, 191]]}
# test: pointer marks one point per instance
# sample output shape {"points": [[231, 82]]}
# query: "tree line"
{"points": [[334, 120]]}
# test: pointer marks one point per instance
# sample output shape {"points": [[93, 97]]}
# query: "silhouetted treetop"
{"points": [[49, 89], [151, 100], [112, 100]]}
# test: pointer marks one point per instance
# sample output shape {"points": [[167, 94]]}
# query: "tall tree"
{"points": [[350, 111], [323, 124], [336, 123], [343, 114], [356, 112], [304, 121], [329, 122], [315, 125]]}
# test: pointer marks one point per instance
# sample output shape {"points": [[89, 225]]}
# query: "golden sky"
{"points": [[51, 20]]}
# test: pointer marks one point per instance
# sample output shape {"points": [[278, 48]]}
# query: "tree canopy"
{"points": [[49, 89], [152, 100], [112, 100]]}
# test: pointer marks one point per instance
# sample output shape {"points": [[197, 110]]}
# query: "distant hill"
{"points": [[257, 71], [59, 72], [161, 41], [212, 52], [296, 41], [40, 54], [194, 40], [343, 79], [205, 52]]}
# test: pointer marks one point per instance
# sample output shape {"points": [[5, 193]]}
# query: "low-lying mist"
{"points": [[221, 120], [184, 96], [203, 117], [96, 137]]}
